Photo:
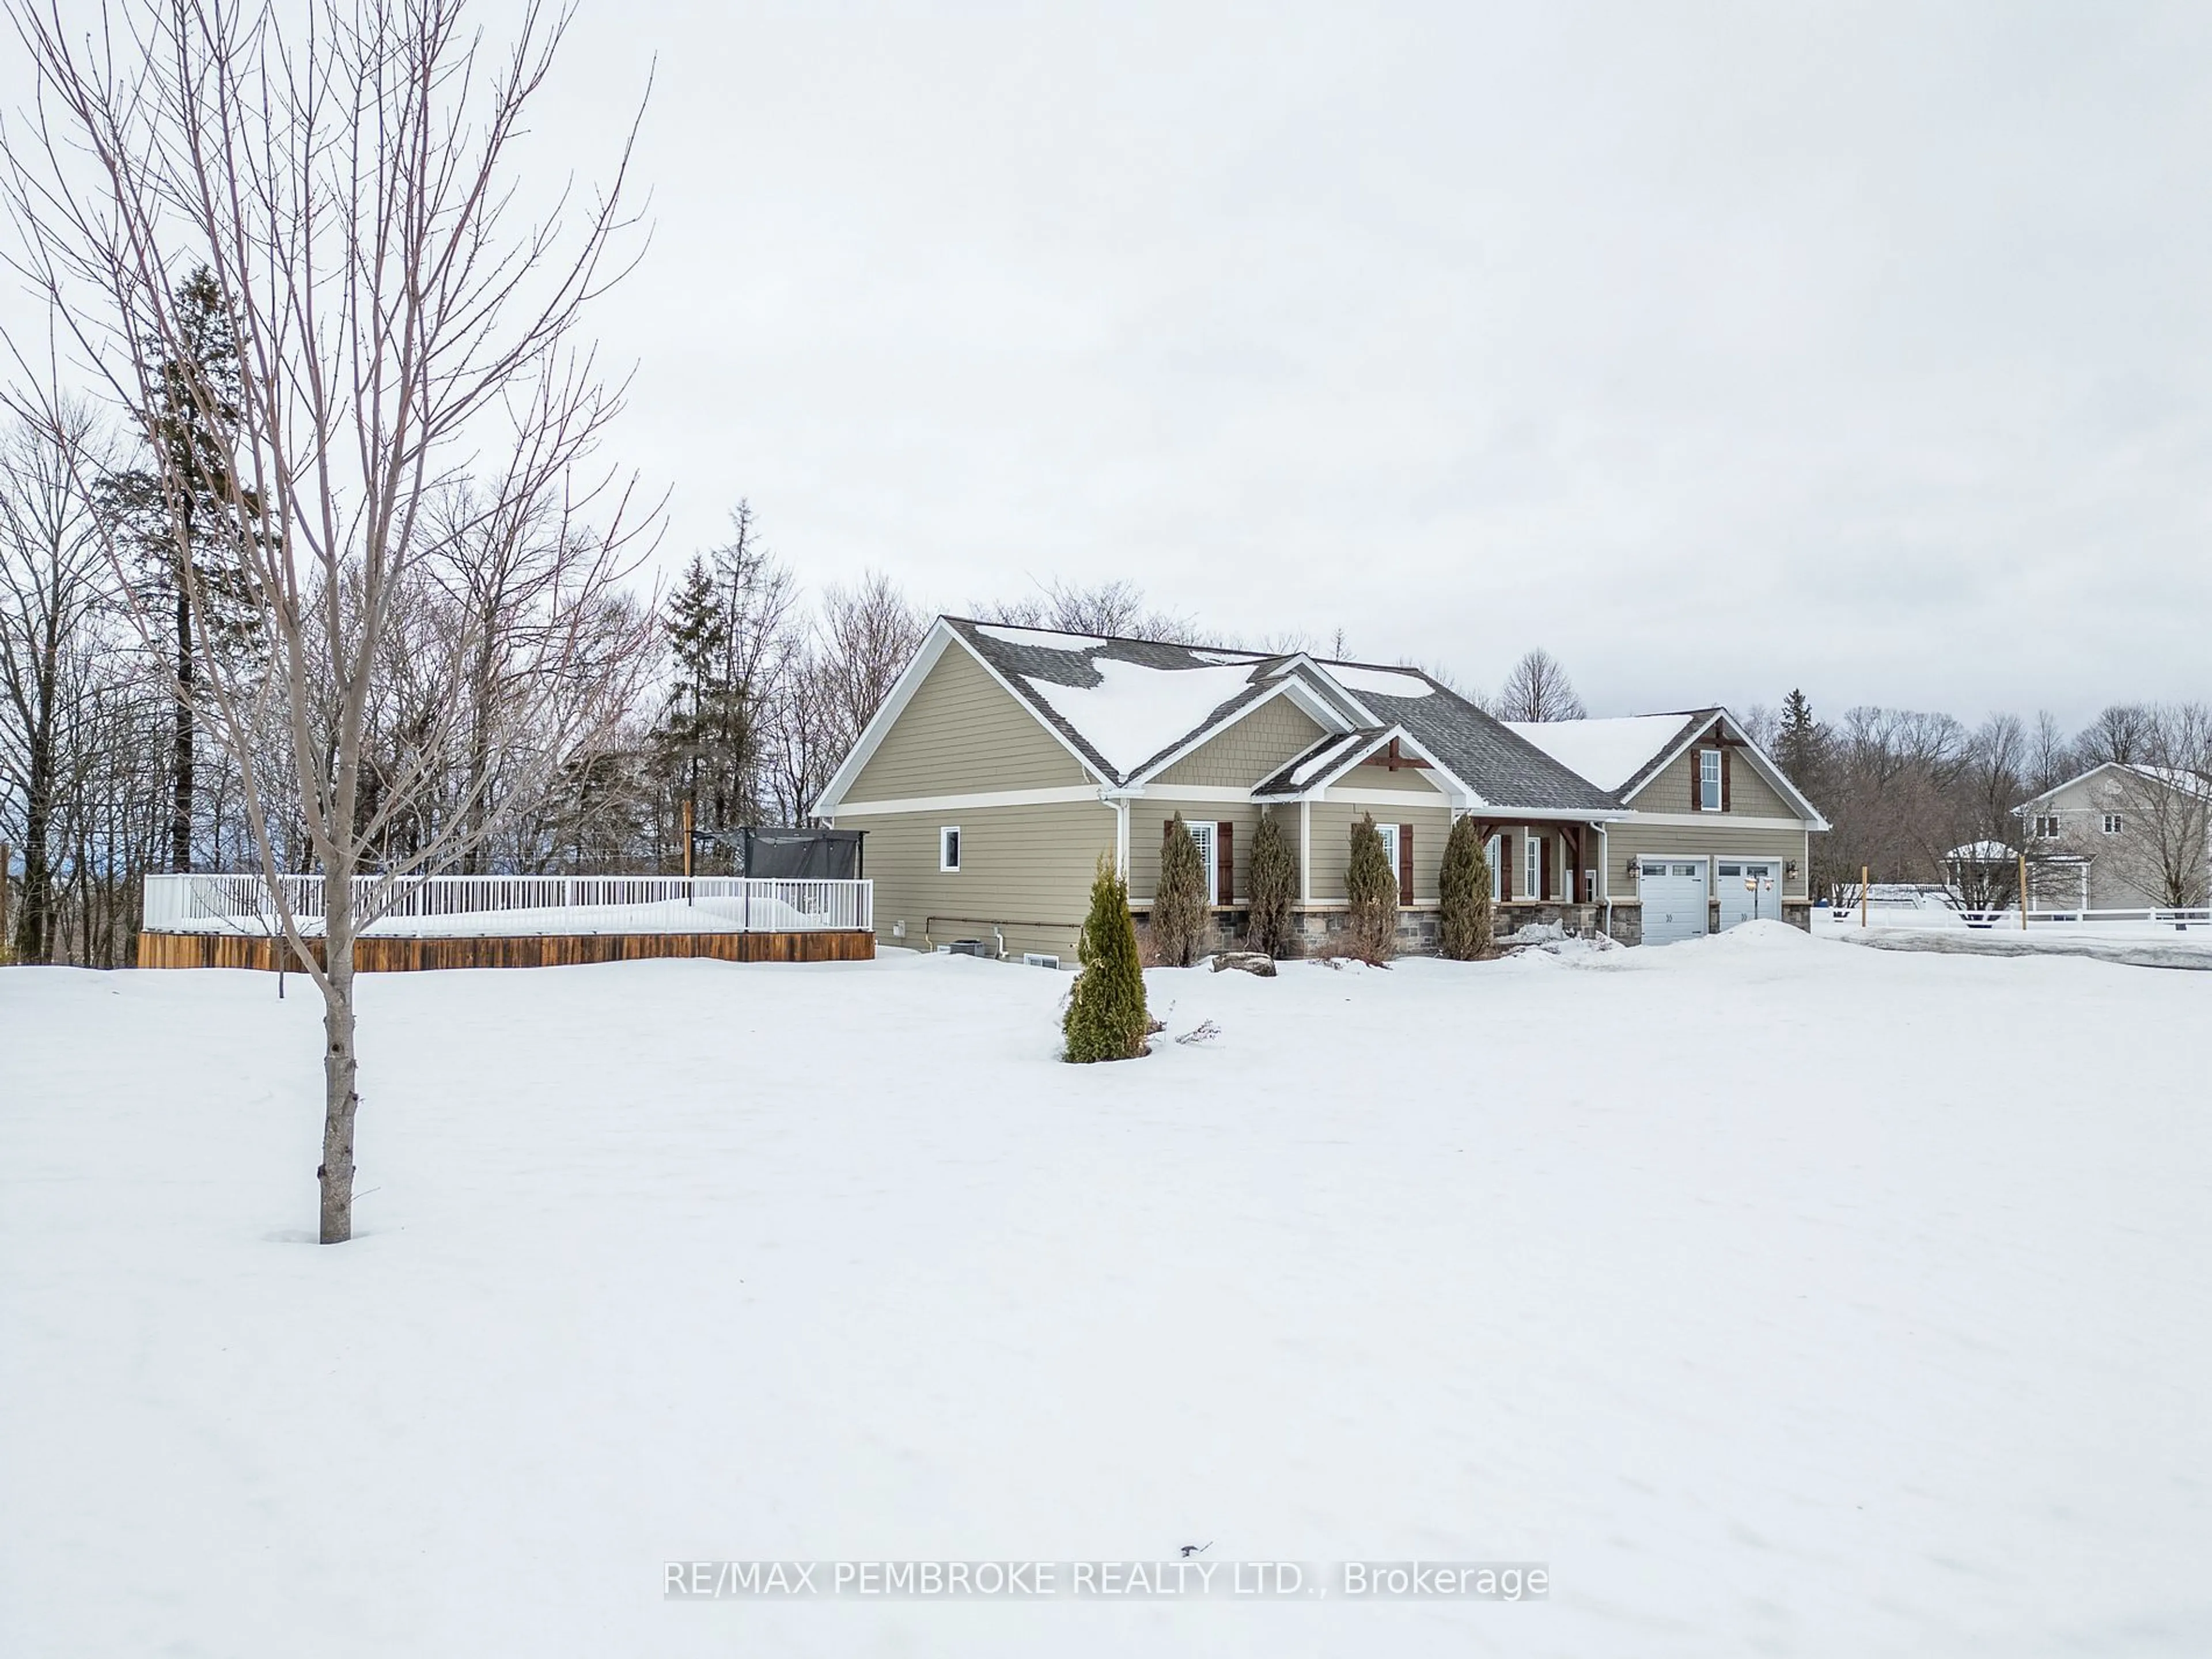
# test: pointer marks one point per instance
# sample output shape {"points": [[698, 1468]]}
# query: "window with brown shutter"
{"points": [[1224, 860], [1405, 864]]}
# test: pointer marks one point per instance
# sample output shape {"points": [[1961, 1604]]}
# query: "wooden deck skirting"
{"points": [[380, 955]]}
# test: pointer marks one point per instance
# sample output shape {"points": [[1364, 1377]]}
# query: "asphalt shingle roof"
{"points": [[1504, 769]]}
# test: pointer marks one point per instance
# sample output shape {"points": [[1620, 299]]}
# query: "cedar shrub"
{"points": [[1106, 1017], [1179, 899], [1274, 889], [1371, 932], [1465, 932]]}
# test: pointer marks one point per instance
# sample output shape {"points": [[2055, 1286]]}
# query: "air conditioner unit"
{"points": [[1038, 959], [970, 947]]}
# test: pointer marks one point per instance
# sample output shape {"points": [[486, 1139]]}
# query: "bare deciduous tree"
{"points": [[54, 581], [1110, 610], [345, 174], [2162, 848], [1538, 689]]}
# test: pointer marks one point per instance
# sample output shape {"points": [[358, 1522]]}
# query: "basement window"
{"points": [[948, 849]]}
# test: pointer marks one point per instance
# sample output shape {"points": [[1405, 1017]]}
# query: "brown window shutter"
{"points": [[1405, 864], [1697, 779], [1505, 866], [1544, 867], [1224, 860], [1167, 829], [1724, 780]]}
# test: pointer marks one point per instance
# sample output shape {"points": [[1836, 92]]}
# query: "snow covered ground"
{"points": [[1783, 1299]]}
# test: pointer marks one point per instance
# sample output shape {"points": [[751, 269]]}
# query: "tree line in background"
{"points": [[738, 695]]}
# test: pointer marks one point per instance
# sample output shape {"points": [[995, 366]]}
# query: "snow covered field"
{"points": [[1783, 1299]]}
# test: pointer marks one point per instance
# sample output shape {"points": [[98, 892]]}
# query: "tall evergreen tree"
{"points": [[1106, 1018], [1179, 899], [1796, 746], [1465, 899], [1274, 890], [1372, 885], [189, 517], [732, 644]]}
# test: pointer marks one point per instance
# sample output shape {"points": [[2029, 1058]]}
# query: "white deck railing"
{"points": [[1895, 916], [490, 906]]}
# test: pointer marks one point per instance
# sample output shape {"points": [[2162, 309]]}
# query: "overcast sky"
{"points": [[1716, 348]]}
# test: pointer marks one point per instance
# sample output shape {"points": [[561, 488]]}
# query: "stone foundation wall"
{"points": [[1318, 932]]}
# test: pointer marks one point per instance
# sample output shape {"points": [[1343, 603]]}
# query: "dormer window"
{"points": [[1709, 779]]}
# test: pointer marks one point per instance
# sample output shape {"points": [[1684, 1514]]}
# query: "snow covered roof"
{"points": [[2172, 777], [1317, 763], [1608, 752], [1119, 702], [1622, 753], [1129, 707]]}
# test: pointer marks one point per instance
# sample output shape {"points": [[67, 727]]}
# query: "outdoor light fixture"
{"points": [[1789, 868]]}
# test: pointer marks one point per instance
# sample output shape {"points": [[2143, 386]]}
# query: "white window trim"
{"points": [[1497, 875], [1208, 853], [949, 838], [2113, 823], [1715, 780], [1531, 864]]}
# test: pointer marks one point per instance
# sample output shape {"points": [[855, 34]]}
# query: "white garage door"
{"points": [[1673, 895], [1748, 888]]}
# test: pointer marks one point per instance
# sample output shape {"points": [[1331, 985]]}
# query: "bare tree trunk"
{"points": [[341, 1068], [180, 817], [343, 167]]}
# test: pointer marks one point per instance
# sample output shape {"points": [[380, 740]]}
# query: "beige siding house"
{"points": [[1008, 761], [2120, 837]]}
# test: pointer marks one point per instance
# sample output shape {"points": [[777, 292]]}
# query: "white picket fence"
{"points": [[417, 906]]}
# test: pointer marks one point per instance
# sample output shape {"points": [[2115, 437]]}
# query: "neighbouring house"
{"points": [[1007, 760], [1714, 834], [2120, 837]]}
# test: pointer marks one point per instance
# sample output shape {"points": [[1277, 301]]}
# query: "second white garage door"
{"points": [[1673, 895], [1748, 888]]}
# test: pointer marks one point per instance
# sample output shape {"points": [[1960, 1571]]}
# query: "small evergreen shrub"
{"points": [[1178, 925], [1106, 1017], [1465, 922], [1371, 932], [1274, 890]]}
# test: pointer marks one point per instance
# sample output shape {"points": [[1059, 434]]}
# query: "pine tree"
{"points": [[1274, 890], [1797, 748], [1465, 880], [732, 639], [191, 518], [1179, 899], [1106, 1017], [1372, 885]]}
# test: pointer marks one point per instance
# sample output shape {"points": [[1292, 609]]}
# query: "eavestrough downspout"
{"points": [[1605, 879]]}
